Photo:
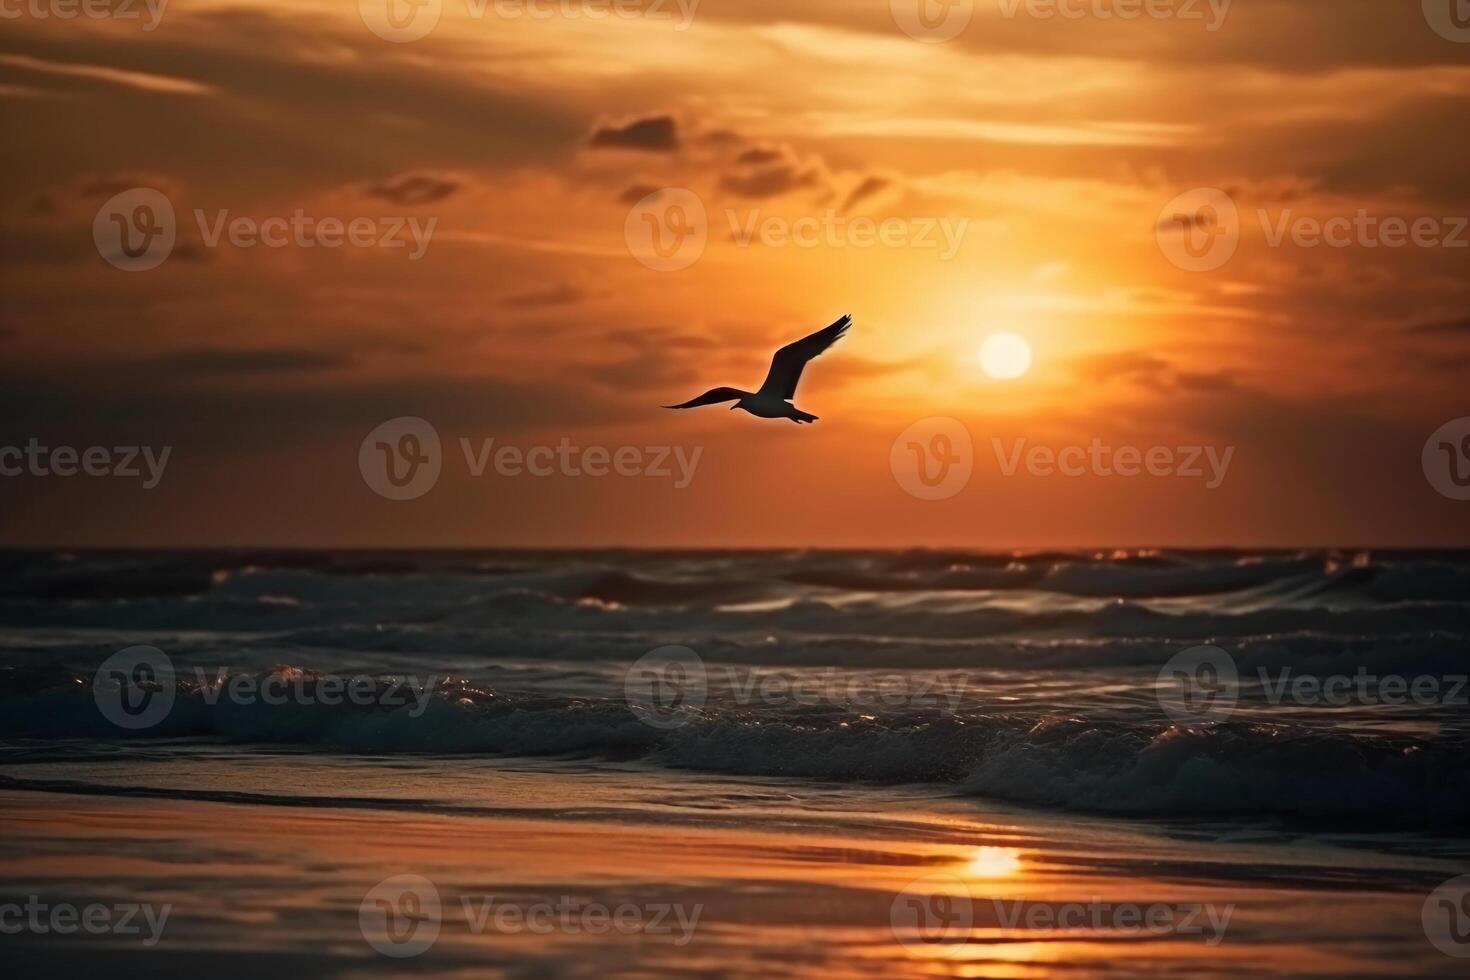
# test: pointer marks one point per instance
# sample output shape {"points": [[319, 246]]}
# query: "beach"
{"points": [[714, 877]]}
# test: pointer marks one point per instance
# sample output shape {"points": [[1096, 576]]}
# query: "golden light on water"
{"points": [[1005, 355], [994, 862]]}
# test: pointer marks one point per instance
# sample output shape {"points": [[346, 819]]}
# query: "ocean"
{"points": [[907, 762]]}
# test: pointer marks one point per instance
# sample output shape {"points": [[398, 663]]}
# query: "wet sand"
{"points": [[544, 869]]}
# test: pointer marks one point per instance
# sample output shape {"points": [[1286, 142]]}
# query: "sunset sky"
{"points": [[1054, 143]]}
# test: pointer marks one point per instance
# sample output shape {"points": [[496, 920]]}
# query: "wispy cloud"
{"points": [[142, 81]]}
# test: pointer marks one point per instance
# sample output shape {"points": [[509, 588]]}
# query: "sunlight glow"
{"points": [[1005, 355], [995, 862]]}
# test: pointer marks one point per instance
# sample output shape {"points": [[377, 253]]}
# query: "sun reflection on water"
{"points": [[994, 862]]}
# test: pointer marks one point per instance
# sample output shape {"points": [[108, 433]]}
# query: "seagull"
{"points": [[773, 401]]}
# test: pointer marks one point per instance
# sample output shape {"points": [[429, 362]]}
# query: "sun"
{"points": [[1005, 355]]}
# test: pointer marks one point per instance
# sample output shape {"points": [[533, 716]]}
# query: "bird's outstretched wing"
{"points": [[787, 363], [711, 397]]}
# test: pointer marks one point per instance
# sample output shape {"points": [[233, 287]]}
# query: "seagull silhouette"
{"points": [[773, 400]]}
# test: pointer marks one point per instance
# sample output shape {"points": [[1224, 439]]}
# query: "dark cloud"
{"points": [[656, 134], [46, 245], [188, 252], [1116, 364], [561, 294], [634, 193], [102, 186], [217, 361], [151, 401], [772, 181], [411, 189], [1419, 146], [656, 356], [636, 373], [770, 172], [660, 338], [279, 120], [1205, 381], [1443, 328], [848, 370], [759, 156], [1283, 35], [865, 190], [1149, 371], [79, 198], [722, 137], [396, 346]]}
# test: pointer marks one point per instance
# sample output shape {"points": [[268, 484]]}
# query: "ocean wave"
{"points": [[1061, 760], [906, 594], [1231, 770], [1074, 638]]}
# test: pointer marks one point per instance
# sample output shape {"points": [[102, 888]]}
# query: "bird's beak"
{"points": [[734, 406]]}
